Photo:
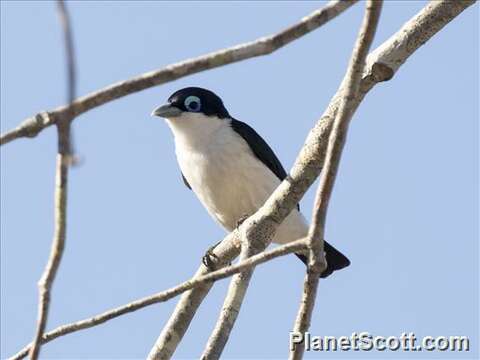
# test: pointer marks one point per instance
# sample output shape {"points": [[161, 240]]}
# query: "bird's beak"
{"points": [[166, 111]]}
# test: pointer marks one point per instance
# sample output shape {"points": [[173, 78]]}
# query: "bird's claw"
{"points": [[210, 260]]}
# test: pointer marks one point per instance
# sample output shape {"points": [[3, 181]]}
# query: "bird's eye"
{"points": [[192, 103]]}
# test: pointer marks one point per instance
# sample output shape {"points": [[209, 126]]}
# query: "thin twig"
{"points": [[61, 182], [262, 46], [69, 50], [336, 141], [398, 47], [71, 71], [165, 295]]}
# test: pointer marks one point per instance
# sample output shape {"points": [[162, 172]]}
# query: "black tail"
{"points": [[335, 260]]}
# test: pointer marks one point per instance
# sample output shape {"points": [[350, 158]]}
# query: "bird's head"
{"points": [[191, 103]]}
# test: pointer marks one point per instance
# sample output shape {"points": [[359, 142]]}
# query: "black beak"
{"points": [[166, 111]]}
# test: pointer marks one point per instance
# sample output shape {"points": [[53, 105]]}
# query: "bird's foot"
{"points": [[210, 260]]}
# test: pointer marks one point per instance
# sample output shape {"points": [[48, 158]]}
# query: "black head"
{"points": [[193, 100]]}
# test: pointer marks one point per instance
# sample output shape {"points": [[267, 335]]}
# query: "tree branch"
{"points": [[62, 167], [336, 141], [231, 306], [262, 46], [195, 282], [432, 18]]}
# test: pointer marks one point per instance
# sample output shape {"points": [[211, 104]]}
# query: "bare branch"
{"points": [[231, 306], [310, 160], [69, 50], [62, 167], [46, 281], [262, 46], [336, 141], [195, 282], [71, 75], [338, 135]]}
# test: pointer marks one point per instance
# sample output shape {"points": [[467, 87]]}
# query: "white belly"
{"points": [[231, 182]]}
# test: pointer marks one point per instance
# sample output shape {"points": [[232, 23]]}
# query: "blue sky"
{"points": [[404, 208]]}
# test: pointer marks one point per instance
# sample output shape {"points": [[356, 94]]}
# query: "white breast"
{"points": [[224, 173]]}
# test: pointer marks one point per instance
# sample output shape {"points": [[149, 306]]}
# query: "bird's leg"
{"points": [[210, 259]]}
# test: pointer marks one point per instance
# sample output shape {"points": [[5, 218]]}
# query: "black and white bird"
{"points": [[230, 168]]}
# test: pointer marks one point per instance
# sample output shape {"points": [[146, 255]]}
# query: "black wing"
{"points": [[260, 148], [186, 182]]}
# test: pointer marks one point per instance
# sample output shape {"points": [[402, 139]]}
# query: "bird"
{"points": [[230, 167]]}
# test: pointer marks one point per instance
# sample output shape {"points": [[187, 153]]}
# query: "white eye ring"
{"points": [[193, 103]]}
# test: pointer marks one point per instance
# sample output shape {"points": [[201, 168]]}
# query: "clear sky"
{"points": [[404, 208]]}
